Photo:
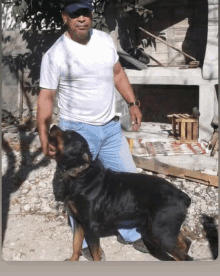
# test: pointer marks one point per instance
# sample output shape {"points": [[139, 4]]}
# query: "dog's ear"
{"points": [[55, 138], [54, 128], [86, 157]]}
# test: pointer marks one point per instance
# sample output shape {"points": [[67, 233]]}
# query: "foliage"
{"points": [[46, 14], [38, 14]]}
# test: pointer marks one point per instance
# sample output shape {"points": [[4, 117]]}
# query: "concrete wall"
{"points": [[22, 54], [10, 89], [210, 67]]}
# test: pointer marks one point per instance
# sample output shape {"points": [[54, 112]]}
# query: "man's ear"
{"points": [[64, 16], [92, 13]]}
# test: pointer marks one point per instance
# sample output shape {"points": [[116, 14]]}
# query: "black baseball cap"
{"points": [[71, 6]]}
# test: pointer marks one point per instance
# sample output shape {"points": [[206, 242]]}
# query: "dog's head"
{"points": [[73, 155]]}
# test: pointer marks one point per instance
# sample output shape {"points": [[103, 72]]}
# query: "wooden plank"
{"points": [[187, 115], [215, 149], [174, 126], [214, 145], [213, 140], [162, 168], [189, 131], [183, 132], [179, 128], [187, 120], [189, 162], [190, 141], [195, 131]]}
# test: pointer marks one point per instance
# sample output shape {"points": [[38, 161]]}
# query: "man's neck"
{"points": [[80, 40]]}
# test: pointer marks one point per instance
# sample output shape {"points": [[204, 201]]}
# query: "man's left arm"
{"points": [[123, 86]]}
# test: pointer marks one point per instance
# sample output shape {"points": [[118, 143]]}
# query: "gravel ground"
{"points": [[35, 225]]}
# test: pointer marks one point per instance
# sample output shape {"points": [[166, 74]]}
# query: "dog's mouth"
{"points": [[74, 172]]}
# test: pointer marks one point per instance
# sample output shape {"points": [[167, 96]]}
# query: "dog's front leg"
{"points": [[96, 252], [77, 242], [92, 239], [78, 235]]}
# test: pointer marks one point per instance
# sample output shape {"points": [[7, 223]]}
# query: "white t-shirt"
{"points": [[83, 75]]}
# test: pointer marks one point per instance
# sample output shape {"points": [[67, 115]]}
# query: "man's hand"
{"points": [[49, 150], [124, 88], [136, 117]]}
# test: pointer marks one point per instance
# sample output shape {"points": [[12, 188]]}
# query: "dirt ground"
{"points": [[35, 224], [46, 238]]}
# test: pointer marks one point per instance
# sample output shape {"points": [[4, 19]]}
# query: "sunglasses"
{"points": [[78, 13]]}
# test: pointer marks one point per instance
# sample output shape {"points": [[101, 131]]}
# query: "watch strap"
{"points": [[134, 103]]}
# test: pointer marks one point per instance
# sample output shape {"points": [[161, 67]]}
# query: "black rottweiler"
{"points": [[101, 197]]}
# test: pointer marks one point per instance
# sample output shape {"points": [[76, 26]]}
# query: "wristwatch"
{"points": [[134, 103]]}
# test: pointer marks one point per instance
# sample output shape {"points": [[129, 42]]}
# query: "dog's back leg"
{"points": [[152, 244], [166, 229], [183, 242], [155, 249], [180, 252]]}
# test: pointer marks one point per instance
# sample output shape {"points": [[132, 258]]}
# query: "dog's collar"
{"points": [[75, 171]]}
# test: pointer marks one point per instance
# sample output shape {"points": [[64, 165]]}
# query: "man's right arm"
{"points": [[44, 115]]}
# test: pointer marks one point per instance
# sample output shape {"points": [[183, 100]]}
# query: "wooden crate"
{"points": [[185, 127]]}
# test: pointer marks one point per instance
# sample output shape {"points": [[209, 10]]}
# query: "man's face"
{"points": [[79, 22]]}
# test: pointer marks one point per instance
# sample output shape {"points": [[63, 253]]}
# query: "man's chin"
{"points": [[82, 35], [82, 32]]}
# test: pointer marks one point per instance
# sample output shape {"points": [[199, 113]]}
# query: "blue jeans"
{"points": [[110, 145]]}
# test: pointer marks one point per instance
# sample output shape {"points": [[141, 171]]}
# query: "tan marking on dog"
{"points": [[60, 142], [96, 252], [72, 207], [77, 242], [56, 133]]}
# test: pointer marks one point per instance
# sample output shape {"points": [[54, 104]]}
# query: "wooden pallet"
{"points": [[185, 127]]}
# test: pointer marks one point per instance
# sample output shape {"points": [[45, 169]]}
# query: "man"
{"points": [[83, 66]]}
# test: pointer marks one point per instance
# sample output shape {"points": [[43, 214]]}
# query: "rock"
{"points": [[42, 184], [26, 207], [139, 170]]}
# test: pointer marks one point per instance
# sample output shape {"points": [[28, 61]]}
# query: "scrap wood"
{"points": [[162, 168], [194, 63], [213, 143]]}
